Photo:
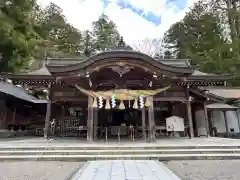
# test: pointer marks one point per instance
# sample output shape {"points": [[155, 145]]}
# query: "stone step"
{"points": [[161, 157], [120, 147], [118, 152]]}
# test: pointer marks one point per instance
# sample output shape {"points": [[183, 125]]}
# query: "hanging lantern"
{"points": [[148, 103], [95, 105], [121, 105], [135, 104], [100, 98], [113, 102], [141, 100], [107, 104]]}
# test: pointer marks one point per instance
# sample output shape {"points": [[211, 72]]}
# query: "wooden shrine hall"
{"points": [[118, 94]]}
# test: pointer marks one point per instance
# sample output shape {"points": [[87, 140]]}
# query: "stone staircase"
{"points": [[104, 152]]}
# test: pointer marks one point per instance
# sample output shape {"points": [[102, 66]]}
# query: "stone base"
{"points": [[4, 133]]}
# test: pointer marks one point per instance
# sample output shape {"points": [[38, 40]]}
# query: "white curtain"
{"points": [[232, 120], [219, 122], [200, 123]]}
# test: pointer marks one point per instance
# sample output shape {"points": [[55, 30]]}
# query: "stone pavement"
{"points": [[125, 170], [25, 142]]}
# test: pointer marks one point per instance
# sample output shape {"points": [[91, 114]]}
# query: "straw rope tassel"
{"points": [[95, 105], [107, 104], [147, 103], [135, 104], [121, 105]]}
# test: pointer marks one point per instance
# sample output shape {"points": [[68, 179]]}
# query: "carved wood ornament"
{"points": [[121, 68]]}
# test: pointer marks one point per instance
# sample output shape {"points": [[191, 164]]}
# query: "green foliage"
{"points": [[28, 32], [17, 35], [106, 35], [201, 36], [60, 38]]}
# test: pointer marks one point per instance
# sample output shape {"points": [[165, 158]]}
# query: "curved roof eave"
{"points": [[121, 54], [211, 77]]}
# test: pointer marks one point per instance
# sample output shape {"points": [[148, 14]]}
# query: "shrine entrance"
{"points": [[119, 124]]}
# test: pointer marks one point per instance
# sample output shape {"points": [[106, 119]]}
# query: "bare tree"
{"points": [[148, 46]]}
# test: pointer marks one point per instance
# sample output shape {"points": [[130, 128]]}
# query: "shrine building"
{"points": [[115, 94]]}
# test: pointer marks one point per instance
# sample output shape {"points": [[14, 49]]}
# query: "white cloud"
{"points": [[81, 13]]}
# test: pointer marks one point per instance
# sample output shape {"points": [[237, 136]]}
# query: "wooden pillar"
{"points": [[144, 123], [151, 133], [95, 123], [14, 116], [190, 122], [189, 113], [48, 113], [90, 119], [3, 114], [206, 117], [62, 111], [61, 121], [226, 122]]}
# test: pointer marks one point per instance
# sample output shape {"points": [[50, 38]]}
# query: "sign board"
{"points": [[175, 123]]}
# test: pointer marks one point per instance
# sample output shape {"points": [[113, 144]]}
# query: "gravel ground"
{"points": [[37, 170], [206, 170], [187, 170]]}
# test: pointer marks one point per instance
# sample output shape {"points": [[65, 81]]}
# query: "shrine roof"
{"points": [[42, 71], [115, 55], [52, 65], [18, 92], [225, 92], [221, 106]]}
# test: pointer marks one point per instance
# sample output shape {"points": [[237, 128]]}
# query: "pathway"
{"points": [[125, 170]]}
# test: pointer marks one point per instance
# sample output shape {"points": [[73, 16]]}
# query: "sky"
{"points": [[136, 20]]}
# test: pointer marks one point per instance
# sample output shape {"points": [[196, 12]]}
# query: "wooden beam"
{"points": [[180, 99]]}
